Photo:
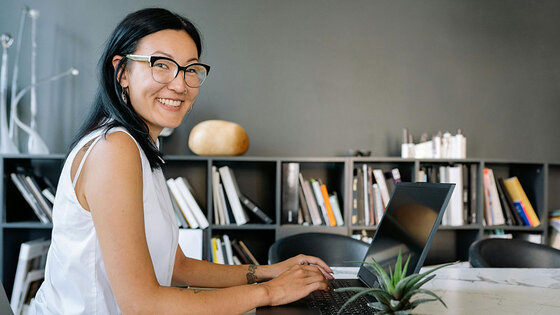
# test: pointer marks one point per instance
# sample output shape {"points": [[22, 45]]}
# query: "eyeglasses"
{"points": [[165, 70]]}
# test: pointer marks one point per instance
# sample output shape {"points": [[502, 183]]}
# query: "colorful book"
{"points": [[516, 192], [328, 207]]}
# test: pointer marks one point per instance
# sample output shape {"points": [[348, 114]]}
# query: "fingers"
{"points": [[311, 260]]}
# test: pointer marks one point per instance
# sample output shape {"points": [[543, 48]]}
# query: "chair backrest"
{"points": [[5, 308], [512, 253], [334, 249]]}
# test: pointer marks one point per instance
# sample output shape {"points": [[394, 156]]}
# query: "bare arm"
{"points": [[198, 273], [112, 190]]}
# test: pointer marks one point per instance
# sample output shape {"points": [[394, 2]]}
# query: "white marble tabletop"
{"points": [[487, 290], [494, 291]]}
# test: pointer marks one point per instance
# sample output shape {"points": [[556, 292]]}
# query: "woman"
{"points": [[114, 243]]}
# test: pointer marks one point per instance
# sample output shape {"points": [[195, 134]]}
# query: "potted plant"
{"points": [[396, 289]]}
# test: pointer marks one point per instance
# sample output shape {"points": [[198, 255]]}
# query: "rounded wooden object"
{"points": [[218, 137]]}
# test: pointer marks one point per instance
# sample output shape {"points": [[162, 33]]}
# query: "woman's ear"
{"points": [[123, 78]]}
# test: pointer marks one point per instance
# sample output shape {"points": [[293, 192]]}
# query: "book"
{"points": [[310, 199], [379, 211], [488, 215], [511, 219], [336, 209], [228, 214], [19, 182], [496, 207], [36, 191], [183, 205], [49, 195], [473, 194], [360, 196], [249, 204], [320, 201], [522, 212], [239, 252], [214, 242], [182, 222], [219, 252], [380, 180], [365, 184], [248, 252], [216, 204], [516, 192], [456, 202], [306, 215], [290, 200], [32, 256], [371, 197], [354, 199], [185, 190], [231, 189], [31, 285], [228, 249], [328, 207]]}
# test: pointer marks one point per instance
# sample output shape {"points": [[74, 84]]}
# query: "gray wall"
{"points": [[315, 78]]}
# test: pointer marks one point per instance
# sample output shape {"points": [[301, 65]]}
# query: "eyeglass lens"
{"points": [[165, 71]]}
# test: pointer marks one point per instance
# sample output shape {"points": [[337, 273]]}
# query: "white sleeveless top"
{"points": [[75, 278]]}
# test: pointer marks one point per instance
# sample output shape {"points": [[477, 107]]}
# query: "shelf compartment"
{"points": [[257, 181], [258, 241]]}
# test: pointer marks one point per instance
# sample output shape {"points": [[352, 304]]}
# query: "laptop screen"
{"points": [[408, 225]]}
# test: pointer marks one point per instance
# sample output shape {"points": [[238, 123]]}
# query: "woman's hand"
{"points": [[273, 271], [297, 281]]}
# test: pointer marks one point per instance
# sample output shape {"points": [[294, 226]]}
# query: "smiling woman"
{"points": [[114, 243]]}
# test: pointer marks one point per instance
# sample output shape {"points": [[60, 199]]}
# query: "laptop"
{"points": [[409, 224]]}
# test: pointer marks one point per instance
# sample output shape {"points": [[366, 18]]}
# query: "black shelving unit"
{"points": [[260, 179]]}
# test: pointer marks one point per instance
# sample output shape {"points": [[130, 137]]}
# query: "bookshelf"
{"points": [[260, 178]]}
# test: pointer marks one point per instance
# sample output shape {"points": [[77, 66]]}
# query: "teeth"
{"points": [[169, 102]]}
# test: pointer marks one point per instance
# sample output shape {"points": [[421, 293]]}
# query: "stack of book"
{"points": [[38, 192], [30, 273], [229, 201], [505, 202], [462, 206], [231, 252], [307, 201], [371, 190], [188, 212]]}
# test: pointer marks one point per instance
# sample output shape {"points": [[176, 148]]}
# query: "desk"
{"points": [[488, 290]]}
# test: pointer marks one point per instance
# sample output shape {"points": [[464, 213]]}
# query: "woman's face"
{"points": [[161, 105]]}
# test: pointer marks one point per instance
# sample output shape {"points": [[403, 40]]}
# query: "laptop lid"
{"points": [[409, 224]]}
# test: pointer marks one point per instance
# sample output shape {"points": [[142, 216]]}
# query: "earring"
{"points": [[124, 95]]}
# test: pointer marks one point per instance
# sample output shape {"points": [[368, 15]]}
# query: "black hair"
{"points": [[109, 109]]}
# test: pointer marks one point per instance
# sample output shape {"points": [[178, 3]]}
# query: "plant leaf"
{"points": [[422, 275], [415, 303], [422, 291], [398, 269], [403, 312], [358, 295], [378, 306]]}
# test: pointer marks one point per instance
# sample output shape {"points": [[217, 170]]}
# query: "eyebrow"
{"points": [[169, 56]]}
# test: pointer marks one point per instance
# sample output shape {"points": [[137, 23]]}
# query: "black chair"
{"points": [[512, 253], [334, 249]]}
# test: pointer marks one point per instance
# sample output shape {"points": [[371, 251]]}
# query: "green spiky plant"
{"points": [[396, 289]]}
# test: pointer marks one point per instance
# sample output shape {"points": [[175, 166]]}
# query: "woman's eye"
{"points": [[161, 65]]}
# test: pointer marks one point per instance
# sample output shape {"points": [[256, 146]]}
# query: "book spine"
{"points": [[517, 193], [521, 212], [364, 186], [290, 192], [248, 252], [509, 202], [183, 186], [233, 197], [336, 209], [182, 203], [319, 197], [303, 205], [360, 196], [19, 181], [496, 205], [328, 207], [255, 209], [311, 202], [380, 179], [355, 199]]}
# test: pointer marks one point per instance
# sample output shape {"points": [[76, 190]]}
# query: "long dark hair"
{"points": [[109, 110]]}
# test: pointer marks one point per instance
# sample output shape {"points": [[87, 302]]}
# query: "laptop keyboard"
{"points": [[329, 302]]}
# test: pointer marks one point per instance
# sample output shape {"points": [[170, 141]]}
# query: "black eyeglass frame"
{"points": [[152, 59]]}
